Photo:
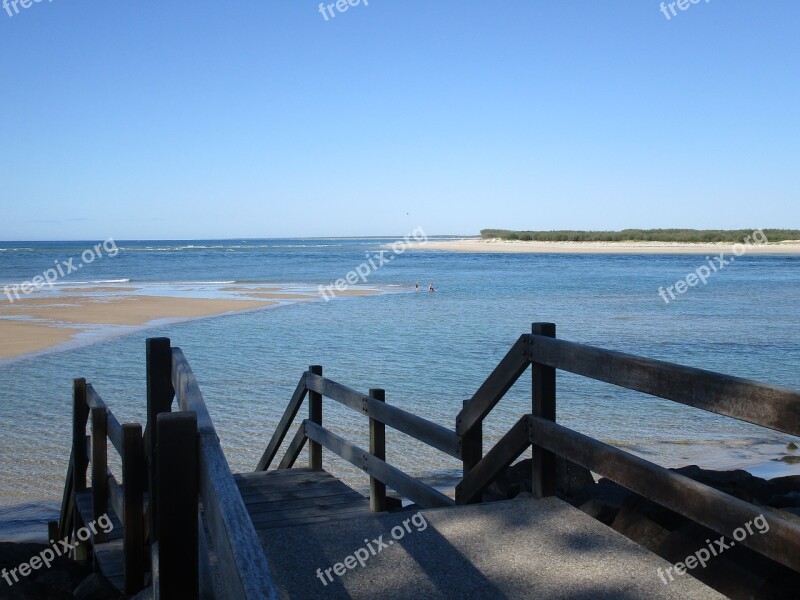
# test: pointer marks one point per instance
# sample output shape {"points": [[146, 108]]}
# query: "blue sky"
{"points": [[252, 118]]}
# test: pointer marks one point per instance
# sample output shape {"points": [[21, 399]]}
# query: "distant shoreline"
{"points": [[790, 248]]}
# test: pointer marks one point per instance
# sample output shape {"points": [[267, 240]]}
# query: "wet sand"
{"points": [[47, 320]]}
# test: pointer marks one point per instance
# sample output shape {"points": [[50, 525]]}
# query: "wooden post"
{"points": [[80, 414], [99, 469], [315, 416], [159, 400], [544, 405], [133, 479], [377, 447], [176, 528], [471, 451]]}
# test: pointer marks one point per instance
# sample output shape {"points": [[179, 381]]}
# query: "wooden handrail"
{"points": [[285, 423], [506, 451], [766, 405], [495, 387], [127, 499], [705, 505], [242, 565], [414, 490], [421, 429]]}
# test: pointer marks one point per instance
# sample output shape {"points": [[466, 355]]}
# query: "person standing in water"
{"points": [[430, 288], [416, 287]]}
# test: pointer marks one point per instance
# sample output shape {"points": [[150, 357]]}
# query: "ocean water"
{"points": [[428, 351]]}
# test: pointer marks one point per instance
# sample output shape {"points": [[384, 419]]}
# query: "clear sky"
{"points": [[259, 118]]}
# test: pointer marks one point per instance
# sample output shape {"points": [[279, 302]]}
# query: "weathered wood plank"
{"points": [[504, 452], [242, 564], [414, 490], [80, 415], [377, 447], [315, 416], [288, 417], [99, 467], [176, 527], [421, 429], [770, 406], [133, 477], [543, 401], [494, 388], [282, 523], [187, 391], [114, 431], [705, 505], [330, 499], [331, 507], [160, 394], [295, 448]]}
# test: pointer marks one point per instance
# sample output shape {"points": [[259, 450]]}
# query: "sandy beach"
{"points": [[48, 319], [521, 247]]}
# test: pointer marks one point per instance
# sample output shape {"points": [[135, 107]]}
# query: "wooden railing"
{"points": [[373, 462], [241, 562], [769, 406], [127, 499], [179, 465]]}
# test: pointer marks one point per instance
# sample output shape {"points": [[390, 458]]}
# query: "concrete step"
{"points": [[515, 549]]}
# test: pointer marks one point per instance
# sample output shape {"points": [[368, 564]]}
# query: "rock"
{"points": [[145, 594], [602, 511], [96, 587], [790, 459], [518, 478], [785, 500], [31, 590], [791, 446]]}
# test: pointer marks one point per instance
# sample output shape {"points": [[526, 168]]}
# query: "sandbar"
{"points": [[533, 247]]}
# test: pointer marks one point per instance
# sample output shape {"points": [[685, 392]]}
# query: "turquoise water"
{"points": [[429, 351]]}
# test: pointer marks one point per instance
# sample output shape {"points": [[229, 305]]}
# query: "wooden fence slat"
{"points": [[766, 405], [295, 447], [377, 448], [494, 388], [176, 527], [80, 415], [415, 426], [705, 505], [132, 515], [506, 451], [543, 399], [414, 490], [315, 416], [99, 469], [285, 423]]}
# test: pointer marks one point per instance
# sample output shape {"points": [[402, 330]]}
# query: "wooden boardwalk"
{"points": [[185, 526], [292, 497]]}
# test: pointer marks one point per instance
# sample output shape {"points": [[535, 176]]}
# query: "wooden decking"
{"points": [[291, 497], [109, 555]]}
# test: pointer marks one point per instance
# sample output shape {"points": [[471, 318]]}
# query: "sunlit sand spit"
{"points": [[48, 319], [534, 247]]}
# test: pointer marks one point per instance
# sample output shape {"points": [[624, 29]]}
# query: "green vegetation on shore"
{"points": [[642, 235]]}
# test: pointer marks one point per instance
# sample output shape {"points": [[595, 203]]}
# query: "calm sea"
{"points": [[429, 351]]}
